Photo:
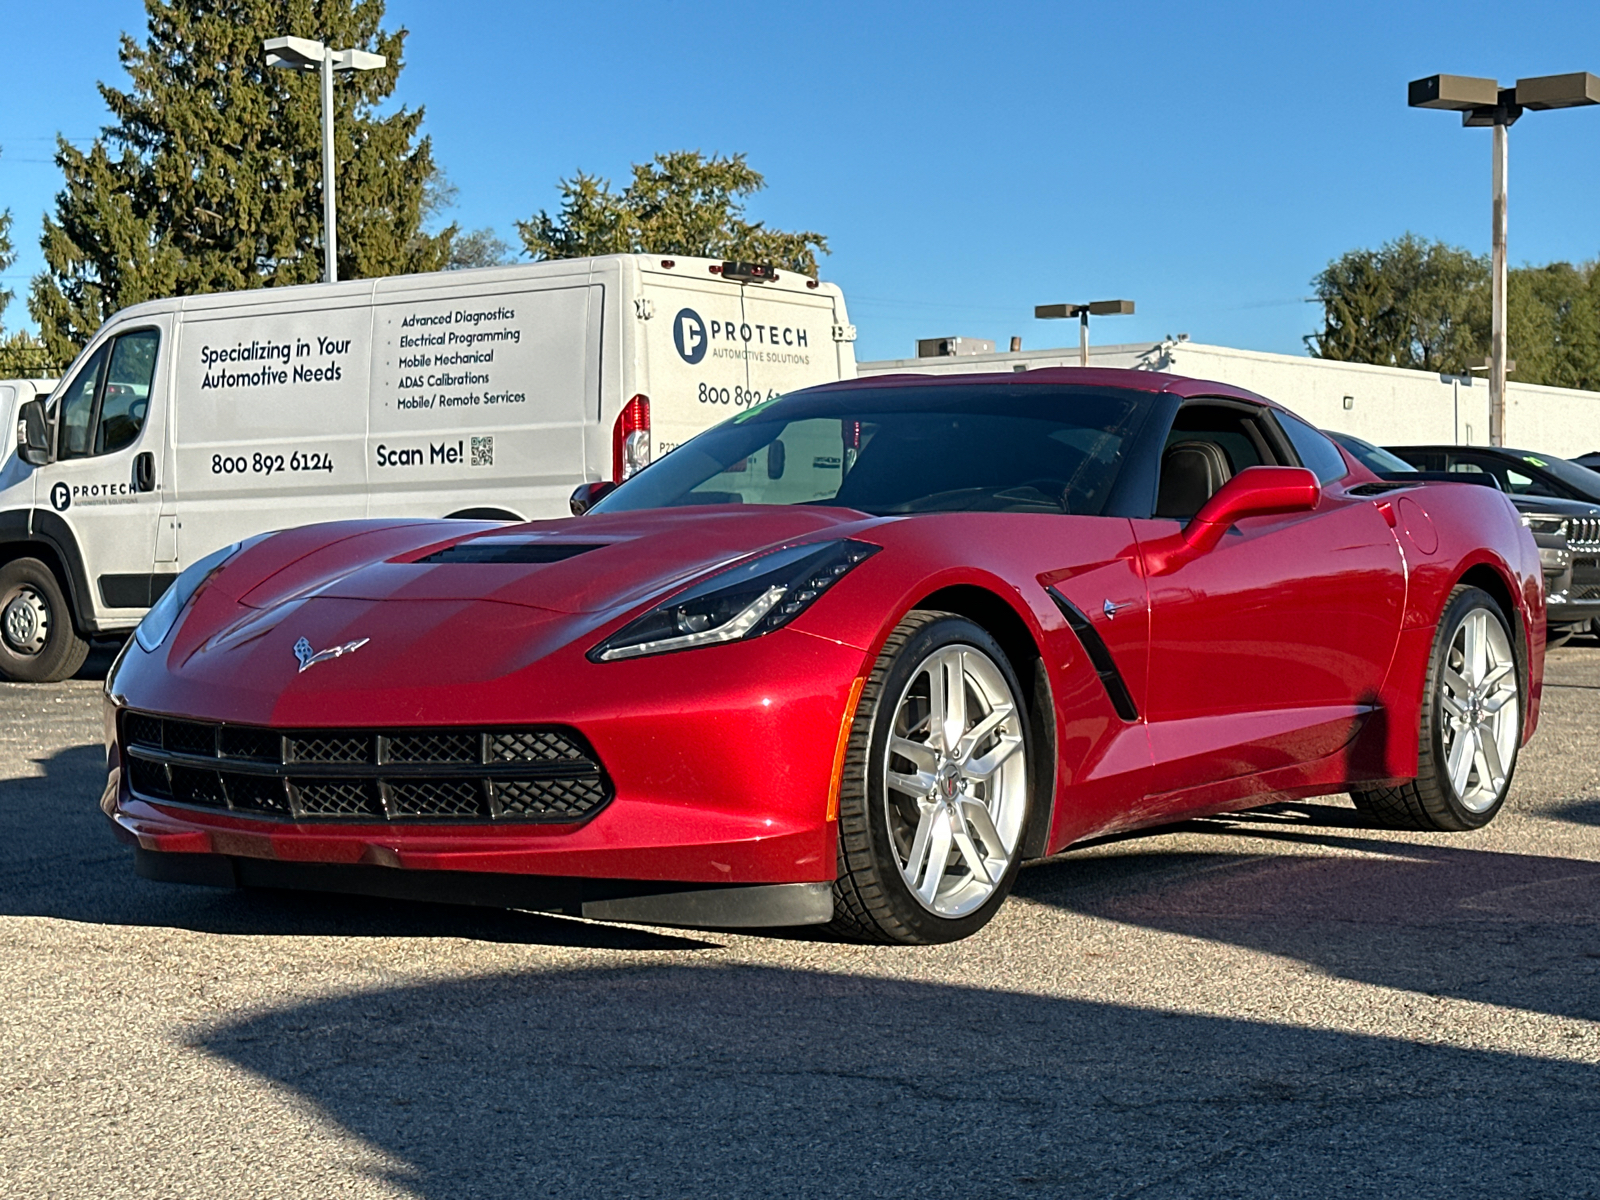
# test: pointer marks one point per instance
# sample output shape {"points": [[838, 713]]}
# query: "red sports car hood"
{"points": [[420, 622], [611, 561]]}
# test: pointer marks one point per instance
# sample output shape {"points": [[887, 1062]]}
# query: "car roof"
{"points": [[1130, 378], [1496, 451]]}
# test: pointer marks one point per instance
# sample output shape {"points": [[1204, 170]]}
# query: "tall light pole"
{"points": [[1099, 308], [1484, 102], [302, 54]]}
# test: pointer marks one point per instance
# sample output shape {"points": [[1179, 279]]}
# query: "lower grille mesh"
{"points": [[463, 775]]}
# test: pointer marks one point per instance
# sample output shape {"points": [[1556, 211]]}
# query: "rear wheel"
{"points": [[1471, 725], [935, 793], [37, 641]]}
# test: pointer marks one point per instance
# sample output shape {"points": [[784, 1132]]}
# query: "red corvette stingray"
{"points": [[850, 657]]}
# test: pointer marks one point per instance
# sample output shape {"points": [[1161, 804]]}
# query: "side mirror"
{"points": [[1253, 492], [33, 434], [775, 459], [586, 495]]}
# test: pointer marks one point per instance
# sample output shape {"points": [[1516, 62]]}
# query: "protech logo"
{"points": [[689, 335], [61, 497]]}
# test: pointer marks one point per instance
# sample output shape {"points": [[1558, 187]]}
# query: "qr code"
{"points": [[483, 451]]}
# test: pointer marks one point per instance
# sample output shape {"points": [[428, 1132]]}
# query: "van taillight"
{"points": [[630, 439]]}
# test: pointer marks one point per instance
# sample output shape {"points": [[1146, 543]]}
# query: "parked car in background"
{"points": [[1560, 501]]}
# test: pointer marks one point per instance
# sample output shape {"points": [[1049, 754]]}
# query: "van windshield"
{"points": [[905, 450]]}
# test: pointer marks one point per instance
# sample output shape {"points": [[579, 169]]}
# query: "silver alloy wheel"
{"points": [[25, 624], [955, 783], [1479, 710]]}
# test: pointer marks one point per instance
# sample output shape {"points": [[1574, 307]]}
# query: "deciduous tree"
{"points": [[678, 203], [1409, 303]]}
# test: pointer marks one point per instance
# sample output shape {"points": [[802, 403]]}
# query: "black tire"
{"points": [[872, 901], [1430, 801], [37, 641]]}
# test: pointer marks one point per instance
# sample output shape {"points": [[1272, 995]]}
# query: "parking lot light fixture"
{"points": [[303, 54], [1483, 102], [1097, 308]]}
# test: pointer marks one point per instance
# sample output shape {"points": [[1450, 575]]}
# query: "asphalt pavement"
{"points": [[1283, 1003]]}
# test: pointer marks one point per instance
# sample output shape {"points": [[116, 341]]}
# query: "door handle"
{"points": [[144, 472]]}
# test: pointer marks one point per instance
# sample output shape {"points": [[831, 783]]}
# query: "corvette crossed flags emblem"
{"points": [[310, 658]]}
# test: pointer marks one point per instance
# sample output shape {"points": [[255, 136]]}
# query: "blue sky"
{"points": [[966, 162]]}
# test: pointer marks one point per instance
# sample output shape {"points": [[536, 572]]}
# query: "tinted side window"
{"points": [[1314, 449], [127, 392], [76, 415]]}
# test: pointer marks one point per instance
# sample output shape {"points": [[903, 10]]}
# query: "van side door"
{"points": [[101, 497]]}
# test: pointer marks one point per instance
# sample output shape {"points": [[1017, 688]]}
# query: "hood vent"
{"points": [[509, 550]]}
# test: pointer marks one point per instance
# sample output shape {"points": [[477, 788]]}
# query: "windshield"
{"points": [[885, 450], [1374, 458], [1580, 479]]}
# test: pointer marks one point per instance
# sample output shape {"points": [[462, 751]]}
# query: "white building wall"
{"points": [[1385, 405]]}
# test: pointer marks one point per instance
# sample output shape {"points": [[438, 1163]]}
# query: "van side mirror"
{"points": [[586, 495], [33, 434], [1253, 492]]}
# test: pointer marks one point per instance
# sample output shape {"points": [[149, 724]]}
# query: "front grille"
{"points": [[338, 797], [542, 774], [1583, 533], [1585, 571], [187, 737], [569, 799], [450, 746], [439, 798], [1588, 593], [330, 748], [533, 745]]}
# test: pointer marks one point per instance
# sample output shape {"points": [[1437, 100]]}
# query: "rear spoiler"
{"points": [[1482, 478]]}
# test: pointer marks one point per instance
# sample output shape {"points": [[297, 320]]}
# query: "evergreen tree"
{"points": [[210, 176], [679, 203]]}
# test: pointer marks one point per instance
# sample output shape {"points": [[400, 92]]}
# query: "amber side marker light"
{"points": [[843, 745]]}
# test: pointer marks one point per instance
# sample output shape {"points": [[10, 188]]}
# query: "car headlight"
{"points": [[164, 613], [745, 601], [1546, 525]]}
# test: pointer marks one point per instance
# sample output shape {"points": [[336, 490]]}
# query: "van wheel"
{"points": [[37, 641]]}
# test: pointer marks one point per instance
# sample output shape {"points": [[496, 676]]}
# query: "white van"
{"points": [[190, 423]]}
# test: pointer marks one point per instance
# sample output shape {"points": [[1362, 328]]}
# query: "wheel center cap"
{"points": [[21, 622], [949, 782]]}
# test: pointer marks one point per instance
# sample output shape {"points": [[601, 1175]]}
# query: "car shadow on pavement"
{"points": [[59, 858], [1432, 915], [1580, 812], [724, 1080]]}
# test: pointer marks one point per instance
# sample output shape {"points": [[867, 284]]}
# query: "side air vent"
{"points": [[509, 550], [1099, 657]]}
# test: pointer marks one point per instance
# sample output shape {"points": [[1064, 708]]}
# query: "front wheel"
{"points": [[1471, 725], [37, 641], [935, 792]]}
